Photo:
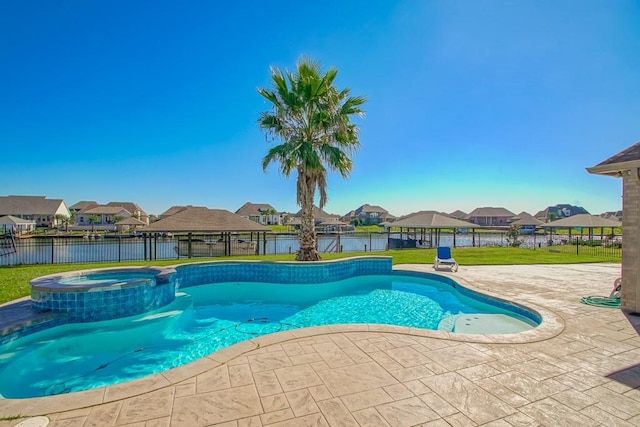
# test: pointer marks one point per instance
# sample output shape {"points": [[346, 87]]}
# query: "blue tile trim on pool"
{"points": [[104, 294], [93, 304], [281, 272]]}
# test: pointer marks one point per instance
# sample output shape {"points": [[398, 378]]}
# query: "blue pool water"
{"points": [[205, 318]]}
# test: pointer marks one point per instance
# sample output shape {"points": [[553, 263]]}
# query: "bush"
{"points": [[513, 236]]}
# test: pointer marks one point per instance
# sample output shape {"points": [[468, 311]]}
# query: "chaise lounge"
{"points": [[443, 256]]}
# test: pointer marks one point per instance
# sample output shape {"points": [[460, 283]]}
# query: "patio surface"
{"points": [[580, 368]]}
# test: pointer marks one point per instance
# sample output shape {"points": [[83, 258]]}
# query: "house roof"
{"points": [[82, 205], [29, 205], [558, 209], [349, 214], [616, 164], [431, 219], [175, 209], [370, 208], [130, 221], [458, 214], [129, 206], [254, 209], [205, 220], [490, 212], [104, 210], [582, 220], [524, 218]]}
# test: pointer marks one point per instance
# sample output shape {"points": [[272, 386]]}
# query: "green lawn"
{"points": [[14, 281]]}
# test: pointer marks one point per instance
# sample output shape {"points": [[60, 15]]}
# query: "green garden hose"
{"points": [[609, 302]]}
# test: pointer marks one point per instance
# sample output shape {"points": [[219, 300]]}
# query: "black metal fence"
{"points": [[606, 249], [117, 248]]}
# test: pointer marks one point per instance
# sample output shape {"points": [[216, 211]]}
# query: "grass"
{"points": [[369, 229], [14, 281], [282, 228]]}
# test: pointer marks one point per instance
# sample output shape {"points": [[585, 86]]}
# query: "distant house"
{"points": [[319, 216], [107, 215], [174, 210], [368, 214], [262, 213], [559, 211], [490, 217], [15, 225], [77, 207], [39, 209], [612, 215], [458, 214], [136, 211]]}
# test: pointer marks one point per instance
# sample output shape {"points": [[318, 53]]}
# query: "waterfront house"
{"points": [[612, 215], [559, 211], [77, 207], [39, 209], [368, 215], [262, 213], [490, 217], [106, 216], [458, 214], [319, 215]]}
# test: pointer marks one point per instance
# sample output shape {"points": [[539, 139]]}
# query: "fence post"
{"points": [[52, 249], [189, 245], [264, 239], [119, 248], [577, 247]]}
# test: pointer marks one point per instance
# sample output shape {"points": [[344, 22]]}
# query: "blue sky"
{"points": [[470, 103]]}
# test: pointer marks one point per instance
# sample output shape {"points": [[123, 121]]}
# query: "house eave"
{"points": [[614, 169]]}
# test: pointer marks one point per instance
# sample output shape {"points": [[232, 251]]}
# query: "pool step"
{"points": [[489, 324]]}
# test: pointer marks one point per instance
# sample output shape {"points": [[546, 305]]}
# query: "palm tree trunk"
{"points": [[308, 245]]}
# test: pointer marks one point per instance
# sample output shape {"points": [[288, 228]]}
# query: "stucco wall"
{"points": [[631, 245]]}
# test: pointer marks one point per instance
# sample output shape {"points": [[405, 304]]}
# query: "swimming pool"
{"points": [[212, 312]]}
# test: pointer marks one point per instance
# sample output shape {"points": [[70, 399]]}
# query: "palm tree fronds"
{"points": [[312, 119]]}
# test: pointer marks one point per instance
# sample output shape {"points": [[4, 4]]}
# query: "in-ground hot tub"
{"points": [[103, 294]]}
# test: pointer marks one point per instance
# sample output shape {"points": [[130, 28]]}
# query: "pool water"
{"points": [[207, 318]]}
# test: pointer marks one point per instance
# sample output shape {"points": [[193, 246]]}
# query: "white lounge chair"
{"points": [[443, 256]]}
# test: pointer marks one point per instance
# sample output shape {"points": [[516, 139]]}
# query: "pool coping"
{"points": [[551, 326]]}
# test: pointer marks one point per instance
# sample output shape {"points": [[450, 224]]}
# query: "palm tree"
{"points": [[93, 219], [311, 119]]}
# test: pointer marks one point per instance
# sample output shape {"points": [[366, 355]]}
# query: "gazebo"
{"points": [[129, 223], [526, 221], [582, 222], [219, 231], [334, 224], [433, 222]]}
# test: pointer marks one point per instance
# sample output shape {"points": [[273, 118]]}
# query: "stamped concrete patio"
{"points": [[580, 368]]}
